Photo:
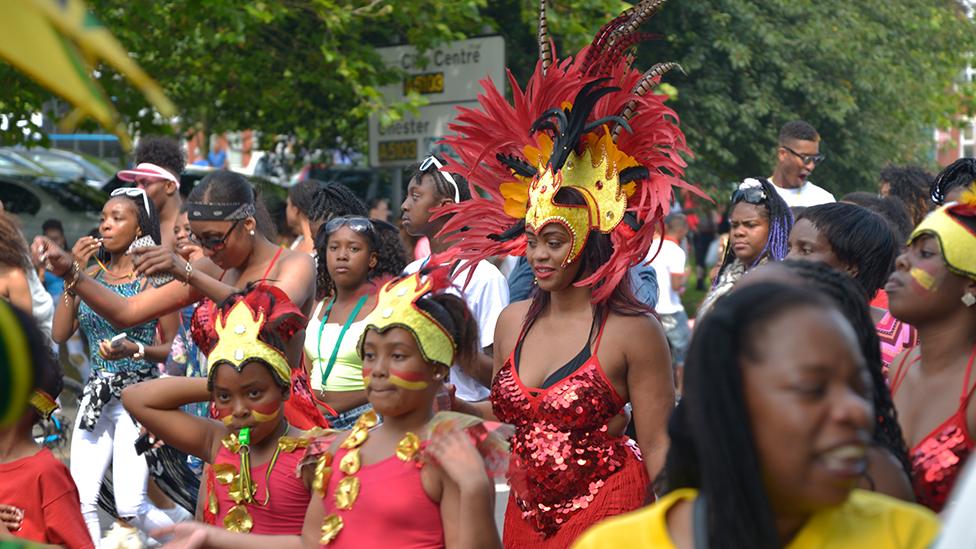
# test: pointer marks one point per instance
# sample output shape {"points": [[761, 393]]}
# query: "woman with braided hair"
{"points": [[953, 181], [760, 224], [773, 430], [888, 470]]}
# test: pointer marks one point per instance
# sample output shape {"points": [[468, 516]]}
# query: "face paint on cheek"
{"points": [[367, 375], [923, 279], [408, 380]]}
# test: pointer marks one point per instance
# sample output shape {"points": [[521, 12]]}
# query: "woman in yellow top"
{"points": [[355, 257], [771, 439]]}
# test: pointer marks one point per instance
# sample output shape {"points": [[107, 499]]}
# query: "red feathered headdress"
{"points": [[591, 124]]}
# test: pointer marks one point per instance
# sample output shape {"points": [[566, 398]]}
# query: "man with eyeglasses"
{"points": [[797, 155], [486, 294], [159, 163]]}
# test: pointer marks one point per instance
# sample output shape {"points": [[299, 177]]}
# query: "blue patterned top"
{"points": [[95, 328]]}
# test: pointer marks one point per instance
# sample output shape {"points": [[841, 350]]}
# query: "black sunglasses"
{"points": [[806, 158], [215, 243]]}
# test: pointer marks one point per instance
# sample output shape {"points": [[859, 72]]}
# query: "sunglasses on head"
{"points": [[133, 192], [432, 162], [215, 243], [751, 195], [355, 222]]}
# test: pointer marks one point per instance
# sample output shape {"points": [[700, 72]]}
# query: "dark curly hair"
{"points": [[164, 152], [13, 248], [384, 241], [911, 185]]}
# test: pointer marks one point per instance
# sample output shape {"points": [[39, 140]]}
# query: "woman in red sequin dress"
{"points": [[934, 289], [577, 173]]}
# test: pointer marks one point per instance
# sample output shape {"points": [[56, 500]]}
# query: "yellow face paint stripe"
{"points": [[923, 278], [264, 418]]}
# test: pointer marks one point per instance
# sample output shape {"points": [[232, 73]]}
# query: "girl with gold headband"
{"points": [[38, 498], [251, 485], [577, 173], [418, 480], [933, 288]]}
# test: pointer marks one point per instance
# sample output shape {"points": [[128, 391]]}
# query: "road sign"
{"points": [[447, 77]]}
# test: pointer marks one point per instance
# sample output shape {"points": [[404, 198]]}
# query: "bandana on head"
{"points": [[200, 211], [397, 308], [954, 226], [238, 344], [592, 124]]}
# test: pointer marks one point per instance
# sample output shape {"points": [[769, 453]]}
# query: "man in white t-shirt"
{"points": [[672, 274], [797, 156], [486, 294]]}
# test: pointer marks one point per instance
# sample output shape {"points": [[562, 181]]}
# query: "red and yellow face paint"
{"points": [[411, 381], [261, 414]]}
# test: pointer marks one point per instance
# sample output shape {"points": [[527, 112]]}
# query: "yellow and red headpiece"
{"points": [[238, 344]]}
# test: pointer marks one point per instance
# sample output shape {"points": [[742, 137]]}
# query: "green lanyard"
{"points": [[342, 333]]}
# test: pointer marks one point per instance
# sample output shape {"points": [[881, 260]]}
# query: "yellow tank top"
{"points": [[866, 519], [347, 373]]}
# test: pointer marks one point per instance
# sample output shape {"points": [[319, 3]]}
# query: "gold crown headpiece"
{"points": [[238, 344], [397, 307]]}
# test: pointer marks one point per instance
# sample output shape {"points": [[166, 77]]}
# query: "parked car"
{"points": [[68, 165], [36, 199]]}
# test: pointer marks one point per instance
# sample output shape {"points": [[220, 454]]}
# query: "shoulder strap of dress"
{"points": [[966, 390], [318, 309], [271, 265], [599, 335]]}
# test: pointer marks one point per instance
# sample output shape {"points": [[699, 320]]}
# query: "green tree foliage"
{"points": [[875, 78]]}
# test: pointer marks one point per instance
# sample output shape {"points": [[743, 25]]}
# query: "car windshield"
{"points": [[61, 166]]}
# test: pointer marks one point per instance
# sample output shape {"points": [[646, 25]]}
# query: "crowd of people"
{"points": [[524, 328]]}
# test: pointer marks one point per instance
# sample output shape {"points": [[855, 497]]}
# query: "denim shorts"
{"points": [[679, 335], [347, 419]]}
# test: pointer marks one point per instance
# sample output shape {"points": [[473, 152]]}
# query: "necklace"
{"points": [[241, 488], [347, 490], [105, 269]]}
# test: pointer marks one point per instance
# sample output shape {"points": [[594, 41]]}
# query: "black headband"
{"points": [[199, 211]]}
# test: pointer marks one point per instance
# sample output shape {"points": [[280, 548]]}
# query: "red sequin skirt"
{"points": [[624, 491]]}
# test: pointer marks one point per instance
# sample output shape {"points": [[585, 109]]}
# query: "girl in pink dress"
{"points": [[254, 452], [418, 480]]}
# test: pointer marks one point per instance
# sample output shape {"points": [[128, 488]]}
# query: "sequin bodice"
{"points": [[940, 456], [938, 459], [562, 452], [96, 328]]}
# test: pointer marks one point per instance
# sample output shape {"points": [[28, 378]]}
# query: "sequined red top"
{"points": [[939, 456], [562, 453]]}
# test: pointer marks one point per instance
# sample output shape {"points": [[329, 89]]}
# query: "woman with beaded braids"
{"points": [[236, 234], [576, 175], [760, 224]]}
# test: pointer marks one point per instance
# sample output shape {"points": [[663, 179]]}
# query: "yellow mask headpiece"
{"points": [[954, 226], [397, 307], [238, 344]]}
